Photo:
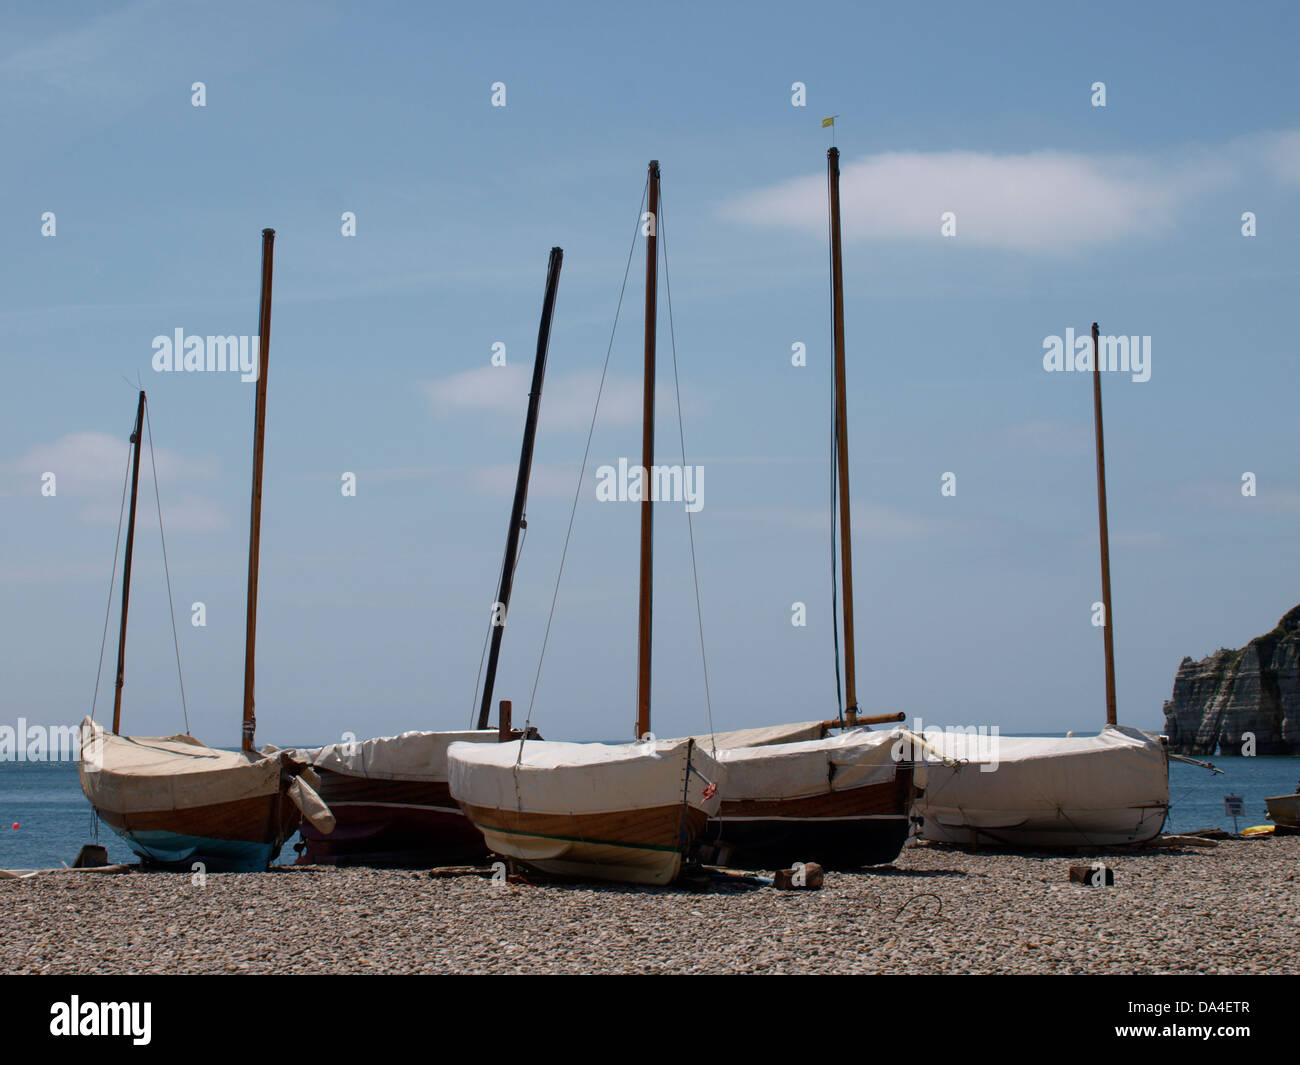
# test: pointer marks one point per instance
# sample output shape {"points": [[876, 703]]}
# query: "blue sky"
{"points": [[971, 609]]}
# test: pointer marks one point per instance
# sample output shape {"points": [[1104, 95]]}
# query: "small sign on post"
{"points": [[1234, 806]]}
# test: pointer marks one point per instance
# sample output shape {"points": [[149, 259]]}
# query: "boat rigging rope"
{"points": [[681, 436], [835, 436], [112, 580], [582, 473], [478, 677], [171, 607]]}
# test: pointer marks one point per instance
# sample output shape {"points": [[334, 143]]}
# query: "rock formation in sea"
{"points": [[1230, 693]]}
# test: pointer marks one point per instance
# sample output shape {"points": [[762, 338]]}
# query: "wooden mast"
{"points": [[1108, 634], [647, 460], [842, 438], [255, 509], [521, 486], [136, 439]]}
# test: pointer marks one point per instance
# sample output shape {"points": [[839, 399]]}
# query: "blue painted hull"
{"points": [[174, 851]]}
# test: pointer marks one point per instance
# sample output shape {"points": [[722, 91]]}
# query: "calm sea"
{"points": [[44, 799]]}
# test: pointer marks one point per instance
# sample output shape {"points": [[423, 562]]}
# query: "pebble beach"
{"points": [[1231, 908]]}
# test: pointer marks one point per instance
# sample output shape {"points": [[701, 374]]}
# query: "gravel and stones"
{"points": [[1234, 908]]}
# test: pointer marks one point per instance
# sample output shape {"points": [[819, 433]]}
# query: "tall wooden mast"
{"points": [[255, 510], [1108, 630], [842, 438], [136, 440], [647, 460], [521, 482]]}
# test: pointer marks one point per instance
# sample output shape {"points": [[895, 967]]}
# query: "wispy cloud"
{"points": [[567, 402], [872, 520], [547, 481], [93, 462], [1039, 202], [91, 467], [186, 513], [1270, 497], [1281, 151], [1046, 436], [92, 62], [1140, 540]]}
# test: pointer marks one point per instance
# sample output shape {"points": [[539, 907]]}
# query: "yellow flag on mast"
{"points": [[828, 121]]}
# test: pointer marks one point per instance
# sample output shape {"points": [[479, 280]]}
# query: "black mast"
{"points": [[255, 509], [126, 572], [521, 484]]}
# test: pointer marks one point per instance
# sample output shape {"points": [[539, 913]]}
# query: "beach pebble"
{"points": [[1230, 909]]}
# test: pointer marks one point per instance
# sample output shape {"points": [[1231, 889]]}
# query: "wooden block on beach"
{"points": [[447, 872], [1092, 875], [805, 877], [1183, 841], [91, 856]]}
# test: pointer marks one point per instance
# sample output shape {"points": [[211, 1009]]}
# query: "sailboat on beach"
{"points": [[173, 799], [390, 793], [798, 793], [1047, 791], [623, 812]]}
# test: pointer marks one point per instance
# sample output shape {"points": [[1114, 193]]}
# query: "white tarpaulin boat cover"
{"points": [[583, 778], [1044, 790], [762, 736], [137, 774], [409, 756], [851, 759]]}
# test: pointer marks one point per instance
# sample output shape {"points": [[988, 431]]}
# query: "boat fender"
{"points": [[312, 806], [310, 775]]}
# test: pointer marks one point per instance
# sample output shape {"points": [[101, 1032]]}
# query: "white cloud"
{"points": [[567, 402], [545, 482], [95, 463], [871, 520], [1042, 202], [186, 514], [1282, 152], [90, 468], [1271, 498]]}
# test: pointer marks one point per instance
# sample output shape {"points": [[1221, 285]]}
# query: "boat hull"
{"points": [[391, 802], [1121, 826], [624, 812], [838, 830], [244, 836], [177, 802], [1044, 791], [1284, 810], [634, 846], [841, 801], [405, 823]]}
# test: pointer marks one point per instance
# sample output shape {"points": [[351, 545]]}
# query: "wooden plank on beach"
{"points": [[24, 874], [1184, 841], [445, 872]]}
